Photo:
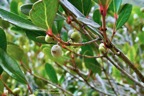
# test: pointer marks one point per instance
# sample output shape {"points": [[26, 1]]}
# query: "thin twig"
{"points": [[9, 90], [74, 44], [85, 56], [53, 84], [124, 72], [107, 76]]}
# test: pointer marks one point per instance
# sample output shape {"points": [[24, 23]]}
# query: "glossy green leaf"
{"points": [[71, 8], [10, 66], [51, 73], [33, 35], [25, 9], [90, 63], [3, 43], [84, 6], [115, 5], [88, 22], [15, 51], [124, 15], [17, 20], [43, 13], [97, 16]]}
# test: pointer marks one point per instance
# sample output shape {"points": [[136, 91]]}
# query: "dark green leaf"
{"points": [[15, 51], [71, 8], [90, 63], [33, 35], [83, 6], [3, 41], [43, 13], [17, 20], [97, 16], [10, 66], [51, 73], [115, 5], [124, 15], [25, 9]]}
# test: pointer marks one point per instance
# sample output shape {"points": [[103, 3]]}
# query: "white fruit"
{"points": [[56, 51]]}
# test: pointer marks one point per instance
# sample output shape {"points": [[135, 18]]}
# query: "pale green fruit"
{"points": [[56, 51], [16, 91], [49, 39], [32, 95], [76, 37], [142, 9], [102, 48]]}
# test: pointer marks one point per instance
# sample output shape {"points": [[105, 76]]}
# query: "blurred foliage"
{"points": [[34, 55]]}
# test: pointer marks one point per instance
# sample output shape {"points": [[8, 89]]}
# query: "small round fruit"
{"points": [[16, 91], [142, 9], [56, 51], [49, 39], [102, 48], [76, 37]]}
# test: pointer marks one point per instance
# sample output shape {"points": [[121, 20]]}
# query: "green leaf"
{"points": [[43, 13], [3, 43], [97, 16], [15, 51], [90, 63], [62, 78], [83, 6], [88, 22], [14, 6], [115, 5], [33, 35], [64, 36], [71, 8], [10, 66], [124, 15], [17, 20], [51, 73], [25, 9], [141, 37]]}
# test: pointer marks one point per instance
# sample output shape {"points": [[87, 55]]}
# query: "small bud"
{"points": [[102, 48]]}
